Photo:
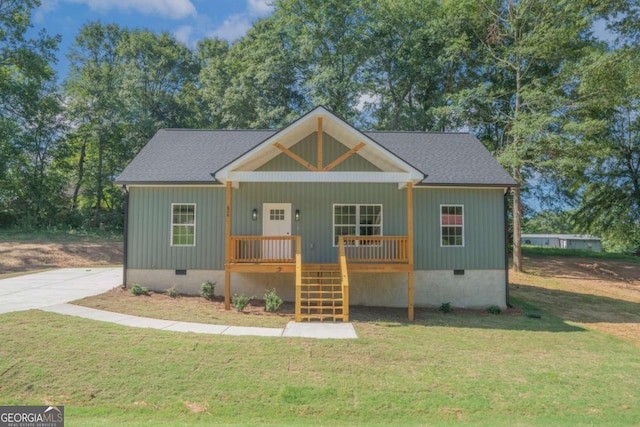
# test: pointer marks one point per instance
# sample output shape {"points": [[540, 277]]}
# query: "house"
{"points": [[326, 214], [564, 241]]}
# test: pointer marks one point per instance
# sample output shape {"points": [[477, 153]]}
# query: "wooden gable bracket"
{"points": [[320, 153], [344, 157], [295, 157]]}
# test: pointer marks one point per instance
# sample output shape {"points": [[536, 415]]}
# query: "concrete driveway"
{"points": [[55, 287]]}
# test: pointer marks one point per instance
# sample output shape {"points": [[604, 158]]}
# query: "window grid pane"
{"points": [[357, 220], [452, 225], [183, 223]]}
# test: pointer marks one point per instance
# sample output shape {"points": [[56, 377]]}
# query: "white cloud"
{"points": [[183, 34], [172, 9], [45, 7], [234, 27], [260, 8]]}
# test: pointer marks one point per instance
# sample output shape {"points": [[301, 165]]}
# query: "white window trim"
{"points": [[172, 225], [357, 205], [461, 226]]}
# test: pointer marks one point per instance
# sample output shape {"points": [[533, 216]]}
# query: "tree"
{"points": [[605, 174], [521, 93], [410, 75], [29, 108], [264, 79], [95, 109], [157, 74], [332, 42]]}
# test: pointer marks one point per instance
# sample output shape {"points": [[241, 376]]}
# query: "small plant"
{"points": [[272, 301], [139, 290], [239, 302], [494, 309], [445, 307], [172, 292], [206, 290]]}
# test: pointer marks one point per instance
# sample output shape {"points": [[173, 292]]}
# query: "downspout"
{"points": [[125, 242], [505, 205]]}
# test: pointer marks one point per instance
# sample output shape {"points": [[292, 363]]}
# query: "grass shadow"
{"points": [[512, 319], [578, 307]]}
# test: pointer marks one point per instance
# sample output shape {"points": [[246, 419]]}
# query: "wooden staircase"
{"points": [[322, 295]]}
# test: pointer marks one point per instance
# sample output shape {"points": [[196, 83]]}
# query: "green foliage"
{"points": [[239, 302], [172, 292], [207, 290], [445, 307], [494, 309], [539, 251], [272, 301], [139, 290]]}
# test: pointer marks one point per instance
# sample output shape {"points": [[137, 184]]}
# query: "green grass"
{"points": [[444, 369], [539, 251], [56, 235]]}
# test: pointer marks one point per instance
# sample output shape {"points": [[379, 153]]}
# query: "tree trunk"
{"points": [[99, 189], [517, 219], [76, 190]]}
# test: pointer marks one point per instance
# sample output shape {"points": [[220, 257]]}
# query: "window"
{"points": [[276, 214], [183, 224], [356, 220], [452, 225]]}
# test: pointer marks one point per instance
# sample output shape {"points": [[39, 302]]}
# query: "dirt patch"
{"points": [[597, 294], [18, 257]]}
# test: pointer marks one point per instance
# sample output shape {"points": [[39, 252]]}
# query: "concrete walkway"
{"points": [[293, 329], [55, 287], [52, 290]]}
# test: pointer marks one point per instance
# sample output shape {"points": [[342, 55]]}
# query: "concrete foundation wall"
{"points": [[473, 289]]}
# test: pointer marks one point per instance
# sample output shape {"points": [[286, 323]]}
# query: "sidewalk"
{"points": [[293, 329]]}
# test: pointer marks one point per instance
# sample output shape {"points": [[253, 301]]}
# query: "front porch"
{"points": [[321, 289]]}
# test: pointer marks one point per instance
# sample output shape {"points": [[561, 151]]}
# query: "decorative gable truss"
{"points": [[384, 167]]}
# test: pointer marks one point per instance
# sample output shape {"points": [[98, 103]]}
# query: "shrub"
{"points": [[206, 290], [172, 292], [272, 301], [494, 309], [139, 290], [239, 302], [445, 307]]}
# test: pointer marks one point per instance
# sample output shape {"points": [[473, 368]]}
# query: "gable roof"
{"points": [[316, 120], [181, 156]]}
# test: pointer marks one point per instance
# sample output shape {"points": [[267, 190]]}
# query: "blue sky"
{"points": [[188, 20]]}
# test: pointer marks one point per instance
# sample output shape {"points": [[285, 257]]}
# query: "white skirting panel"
{"points": [[473, 289]]}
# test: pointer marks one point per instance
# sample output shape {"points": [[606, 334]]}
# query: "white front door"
{"points": [[276, 221]]}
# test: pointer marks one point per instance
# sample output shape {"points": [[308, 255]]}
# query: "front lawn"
{"points": [[459, 368]]}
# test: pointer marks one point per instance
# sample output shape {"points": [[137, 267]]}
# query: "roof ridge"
{"points": [[429, 132], [218, 130]]}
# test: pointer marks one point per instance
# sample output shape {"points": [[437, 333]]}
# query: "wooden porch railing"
{"points": [[264, 249], [376, 249]]}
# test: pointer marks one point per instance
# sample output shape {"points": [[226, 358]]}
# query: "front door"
{"points": [[276, 221]]}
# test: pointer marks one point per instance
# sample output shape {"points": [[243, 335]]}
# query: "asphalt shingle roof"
{"points": [[191, 156]]}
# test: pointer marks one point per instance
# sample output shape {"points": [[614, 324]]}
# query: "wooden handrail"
{"points": [[264, 249], [298, 279], [376, 249], [345, 279]]}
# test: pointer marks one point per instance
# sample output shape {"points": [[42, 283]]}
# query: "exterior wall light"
{"points": [[254, 214], [297, 215]]}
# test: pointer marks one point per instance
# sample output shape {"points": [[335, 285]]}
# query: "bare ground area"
{"points": [[597, 294], [17, 257]]}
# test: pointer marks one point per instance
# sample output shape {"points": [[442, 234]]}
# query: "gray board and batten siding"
{"points": [[150, 222]]}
